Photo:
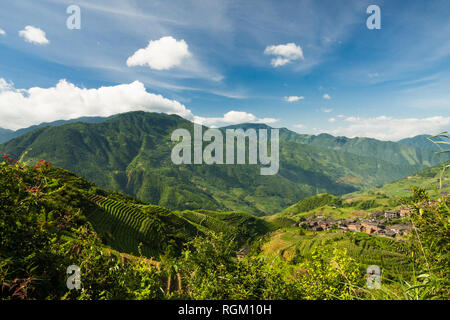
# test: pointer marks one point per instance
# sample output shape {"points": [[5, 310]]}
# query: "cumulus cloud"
{"points": [[285, 53], [332, 120], [293, 98], [24, 107], [327, 110], [326, 96], [233, 117], [2, 32], [20, 108], [162, 54], [34, 35], [388, 128], [5, 85]]}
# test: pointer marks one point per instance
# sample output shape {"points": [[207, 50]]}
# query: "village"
{"points": [[377, 223]]}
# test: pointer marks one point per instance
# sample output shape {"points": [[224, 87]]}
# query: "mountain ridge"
{"points": [[131, 153], [7, 134]]}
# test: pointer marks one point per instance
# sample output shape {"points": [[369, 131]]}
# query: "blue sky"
{"points": [[388, 84]]}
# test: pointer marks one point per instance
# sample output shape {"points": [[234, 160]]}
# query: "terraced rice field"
{"points": [[366, 249], [126, 226]]}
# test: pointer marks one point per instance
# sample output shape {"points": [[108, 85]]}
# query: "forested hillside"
{"points": [[131, 153], [64, 220], [413, 151]]}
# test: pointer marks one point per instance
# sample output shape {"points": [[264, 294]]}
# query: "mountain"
{"points": [[433, 180], [414, 151], [6, 134], [423, 142], [122, 222], [131, 153], [52, 219]]}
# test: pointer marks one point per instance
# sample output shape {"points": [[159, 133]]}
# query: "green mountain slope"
{"points": [[6, 135], [311, 203], [428, 179], [422, 141], [414, 151], [358, 204], [131, 153], [122, 222]]}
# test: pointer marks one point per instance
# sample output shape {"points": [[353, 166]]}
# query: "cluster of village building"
{"points": [[377, 223]]}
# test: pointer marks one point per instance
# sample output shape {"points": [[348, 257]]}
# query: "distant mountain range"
{"points": [[6, 134], [421, 141], [131, 153], [415, 151]]}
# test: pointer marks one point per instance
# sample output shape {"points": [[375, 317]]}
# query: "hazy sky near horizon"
{"points": [[309, 65]]}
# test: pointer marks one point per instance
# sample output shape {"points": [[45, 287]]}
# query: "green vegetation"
{"points": [[130, 153], [428, 249], [51, 219], [7, 135], [360, 203], [401, 188], [348, 206], [313, 203], [296, 245], [413, 151], [52, 194], [422, 142]]}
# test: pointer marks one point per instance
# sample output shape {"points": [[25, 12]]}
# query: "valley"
{"points": [[131, 153], [178, 228]]}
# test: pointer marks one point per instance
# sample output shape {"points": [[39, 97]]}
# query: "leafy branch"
{"points": [[438, 143]]}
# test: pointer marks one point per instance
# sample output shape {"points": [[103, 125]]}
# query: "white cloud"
{"points": [[293, 98], [234, 117], [299, 126], [20, 108], [162, 54], [5, 85], [326, 96], [24, 107], [285, 53], [327, 110], [387, 128], [34, 35], [2, 32], [331, 120]]}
